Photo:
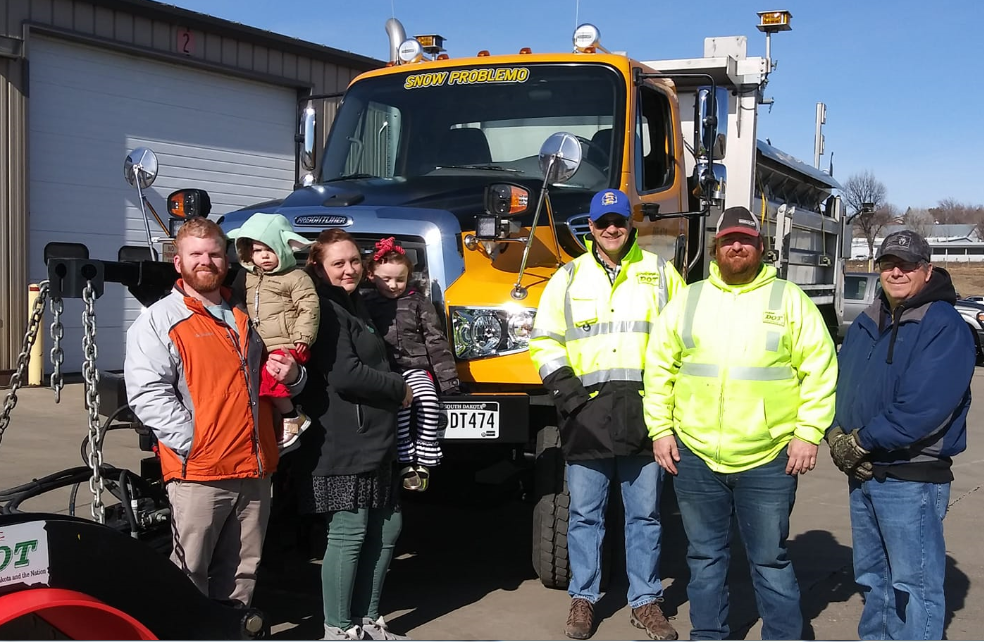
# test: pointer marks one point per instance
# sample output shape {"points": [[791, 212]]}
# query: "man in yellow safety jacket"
{"points": [[589, 340], [741, 372]]}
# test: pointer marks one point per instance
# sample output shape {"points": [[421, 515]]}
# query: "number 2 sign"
{"points": [[186, 42]]}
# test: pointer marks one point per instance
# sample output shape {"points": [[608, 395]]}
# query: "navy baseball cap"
{"points": [[609, 201]]}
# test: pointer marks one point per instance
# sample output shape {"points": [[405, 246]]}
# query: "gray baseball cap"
{"points": [[907, 245]]}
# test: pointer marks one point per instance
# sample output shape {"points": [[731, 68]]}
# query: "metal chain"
{"points": [[57, 354], [91, 376], [33, 325]]}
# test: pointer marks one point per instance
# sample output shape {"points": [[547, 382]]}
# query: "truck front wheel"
{"points": [[551, 513], [551, 516]]}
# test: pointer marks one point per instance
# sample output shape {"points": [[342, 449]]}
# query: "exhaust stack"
{"points": [[394, 29]]}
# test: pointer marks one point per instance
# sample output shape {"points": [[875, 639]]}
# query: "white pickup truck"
{"points": [[861, 288]]}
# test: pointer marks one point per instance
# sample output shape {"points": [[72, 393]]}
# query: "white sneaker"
{"points": [[334, 633], [354, 633], [378, 630]]}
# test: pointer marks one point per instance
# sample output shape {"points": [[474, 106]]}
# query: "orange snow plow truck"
{"points": [[483, 168]]}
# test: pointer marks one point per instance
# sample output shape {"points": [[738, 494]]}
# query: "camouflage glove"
{"points": [[845, 450], [864, 471]]}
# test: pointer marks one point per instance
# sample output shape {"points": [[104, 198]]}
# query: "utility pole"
{"points": [[818, 137], [868, 208]]}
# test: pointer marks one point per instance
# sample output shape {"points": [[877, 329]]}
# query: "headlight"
{"points": [[489, 332]]}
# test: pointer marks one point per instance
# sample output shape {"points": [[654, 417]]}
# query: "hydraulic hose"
{"points": [[52, 482], [106, 427], [129, 502]]}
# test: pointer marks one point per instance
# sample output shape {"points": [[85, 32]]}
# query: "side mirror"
{"points": [[140, 167], [712, 180], [307, 135], [710, 123], [560, 156]]}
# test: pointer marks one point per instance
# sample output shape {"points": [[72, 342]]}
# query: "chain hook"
{"points": [[57, 353], [33, 325], [91, 376]]}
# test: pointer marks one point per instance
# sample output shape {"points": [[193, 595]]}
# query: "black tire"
{"points": [[551, 513], [551, 516]]}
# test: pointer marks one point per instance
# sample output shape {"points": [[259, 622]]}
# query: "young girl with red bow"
{"points": [[419, 350]]}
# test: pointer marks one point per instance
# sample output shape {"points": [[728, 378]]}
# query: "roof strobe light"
{"points": [[586, 36], [410, 51]]}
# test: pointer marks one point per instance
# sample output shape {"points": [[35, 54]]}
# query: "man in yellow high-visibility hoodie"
{"points": [[739, 389]]}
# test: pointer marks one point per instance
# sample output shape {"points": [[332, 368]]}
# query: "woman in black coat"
{"points": [[350, 451]]}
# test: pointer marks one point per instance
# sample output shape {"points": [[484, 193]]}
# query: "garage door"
{"points": [[89, 107]]}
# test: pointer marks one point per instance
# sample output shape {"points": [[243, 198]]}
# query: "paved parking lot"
{"points": [[463, 567]]}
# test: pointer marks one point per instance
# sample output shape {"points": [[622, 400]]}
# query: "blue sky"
{"points": [[900, 79]]}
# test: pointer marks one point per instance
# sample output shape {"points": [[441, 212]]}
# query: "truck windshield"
{"points": [[477, 120]]}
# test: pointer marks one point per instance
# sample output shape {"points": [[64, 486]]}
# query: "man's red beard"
{"points": [[741, 268], [203, 279]]}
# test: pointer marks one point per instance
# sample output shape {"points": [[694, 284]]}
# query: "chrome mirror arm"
{"points": [[143, 211], [519, 292]]}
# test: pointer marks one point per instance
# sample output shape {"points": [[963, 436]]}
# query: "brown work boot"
{"points": [[580, 620], [650, 618]]}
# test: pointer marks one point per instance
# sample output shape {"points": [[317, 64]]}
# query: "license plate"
{"points": [[168, 250], [471, 420]]}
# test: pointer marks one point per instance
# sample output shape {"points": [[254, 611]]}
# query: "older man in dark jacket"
{"points": [[902, 400]]}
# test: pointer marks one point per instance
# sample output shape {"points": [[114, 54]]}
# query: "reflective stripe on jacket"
{"points": [[194, 381], [593, 333], [738, 370]]}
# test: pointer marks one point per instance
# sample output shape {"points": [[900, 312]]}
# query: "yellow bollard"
{"points": [[34, 370]]}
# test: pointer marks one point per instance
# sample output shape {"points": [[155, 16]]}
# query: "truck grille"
{"points": [[414, 246]]}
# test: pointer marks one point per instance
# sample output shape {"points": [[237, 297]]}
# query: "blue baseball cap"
{"points": [[609, 201]]}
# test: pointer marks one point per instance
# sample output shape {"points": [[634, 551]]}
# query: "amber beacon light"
{"points": [[774, 21]]}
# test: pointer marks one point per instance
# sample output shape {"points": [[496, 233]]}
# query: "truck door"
{"points": [[655, 174]]}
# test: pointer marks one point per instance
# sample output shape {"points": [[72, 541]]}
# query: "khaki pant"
{"points": [[218, 530]]}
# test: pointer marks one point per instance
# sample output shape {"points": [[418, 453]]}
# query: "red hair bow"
{"points": [[385, 246]]}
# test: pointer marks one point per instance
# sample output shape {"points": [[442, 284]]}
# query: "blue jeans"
{"points": [[761, 499], [899, 557], [641, 480]]}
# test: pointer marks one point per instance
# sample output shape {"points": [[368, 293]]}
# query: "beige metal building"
{"points": [[82, 82]]}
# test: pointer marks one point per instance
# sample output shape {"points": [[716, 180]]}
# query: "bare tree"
{"points": [[978, 222], [865, 198], [949, 211], [862, 188], [917, 220], [870, 225]]}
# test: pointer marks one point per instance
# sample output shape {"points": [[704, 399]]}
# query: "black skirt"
{"points": [[379, 489]]}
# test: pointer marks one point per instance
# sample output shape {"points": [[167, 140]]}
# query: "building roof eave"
{"points": [[220, 26]]}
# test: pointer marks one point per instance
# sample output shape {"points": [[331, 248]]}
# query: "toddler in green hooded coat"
{"points": [[283, 304]]}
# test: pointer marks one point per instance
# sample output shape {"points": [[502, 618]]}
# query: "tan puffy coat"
{"points": [[270, 299]]}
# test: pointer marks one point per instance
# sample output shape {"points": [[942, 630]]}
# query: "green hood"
{"points": [[273, 230]]}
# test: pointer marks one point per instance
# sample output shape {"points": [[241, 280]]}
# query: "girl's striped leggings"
{"points": [[416, 441]]}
